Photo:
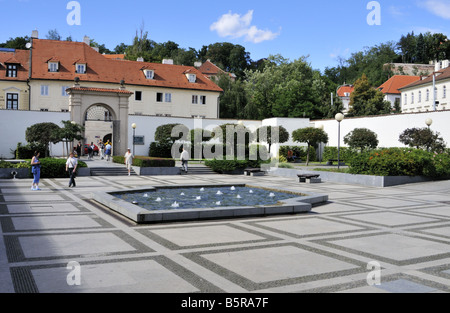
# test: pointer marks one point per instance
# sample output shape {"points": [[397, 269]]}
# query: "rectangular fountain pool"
{"points": [[180, 203]]}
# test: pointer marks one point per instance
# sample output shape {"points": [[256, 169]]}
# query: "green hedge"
{"points": [[331, 153], [146, 162], [300, 152], [27, 152], [224, 166], [401, 162]]}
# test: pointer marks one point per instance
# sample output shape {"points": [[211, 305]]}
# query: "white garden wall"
{"points": [[389, 127], [13, 125]]}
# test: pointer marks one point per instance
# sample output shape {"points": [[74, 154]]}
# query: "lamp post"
{"points": [[428, 121], [339, 118], [321, 127], [134, 137]]}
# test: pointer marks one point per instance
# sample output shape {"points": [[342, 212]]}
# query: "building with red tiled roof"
{"points": [[344, 92], [391, 87], [14, 73], [212, 71], [159, 89], [419, 96]]}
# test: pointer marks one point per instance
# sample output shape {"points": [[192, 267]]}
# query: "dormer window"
{"points": [[80, 68], [149, 74], [191, 77], [53, 66], [11, 70]]}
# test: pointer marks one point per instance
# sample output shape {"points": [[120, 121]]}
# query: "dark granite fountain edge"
{"points": [[302, 204]]}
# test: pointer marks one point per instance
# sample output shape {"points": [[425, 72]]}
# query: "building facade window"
{"points": [[427, 95], [11, 70], [194, 99], [64, 91], [168, 97], [53, 67], [444, 92], [12, 101], [420, 96], [203, 99], [149, 74], [412, 98], [192, 78], [138, 96], [81, 68], [405, 101], [44, 90], [159, 97]]}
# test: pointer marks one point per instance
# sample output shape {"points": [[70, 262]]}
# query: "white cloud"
{"points": [[237, 26], [440, 8]]}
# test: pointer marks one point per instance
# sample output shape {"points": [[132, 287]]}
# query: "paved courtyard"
{"points": [[337, 247]]}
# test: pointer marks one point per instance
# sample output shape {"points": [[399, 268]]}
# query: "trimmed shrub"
{"points": [[146, 162], [225, 166], [401, 162], [27, 152], [161, 149], [331, 153], [299, 151], [56, 168]]}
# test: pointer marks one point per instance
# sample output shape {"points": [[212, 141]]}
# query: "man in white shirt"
{"points": [[71, 167], [129, 160], [184, 160]]}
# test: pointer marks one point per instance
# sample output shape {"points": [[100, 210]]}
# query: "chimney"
{"points": [[35, 34], [197, 64], [140, 59], [167, 61], [87, 40]]}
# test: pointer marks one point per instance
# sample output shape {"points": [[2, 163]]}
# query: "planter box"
{"points": [[156, 171], [352, 179], [21, 173]]}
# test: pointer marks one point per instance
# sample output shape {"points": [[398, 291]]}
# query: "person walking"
{"points": [[108, 148], [91, 151], [71, 167], [184, 160], [79, 149], [101, 147], [129, 160], [36, 170]]}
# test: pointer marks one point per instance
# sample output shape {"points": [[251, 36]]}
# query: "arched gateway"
{"points": [[109, 106]]}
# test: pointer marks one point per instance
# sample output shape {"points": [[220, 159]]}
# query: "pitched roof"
{"points": [[210, 69], [103, 69], [396, 82], [440, 75], [345, 89], [19, 57], [105, 90]]}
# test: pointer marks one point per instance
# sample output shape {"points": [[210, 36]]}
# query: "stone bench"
{"points": [[253, 172], [309, 178], [331, 161]]}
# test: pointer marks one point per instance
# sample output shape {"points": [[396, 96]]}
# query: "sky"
{"points": [[322, 30]]}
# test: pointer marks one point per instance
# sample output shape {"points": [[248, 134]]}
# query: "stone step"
{"points": [[199, 171], [111, 171]]}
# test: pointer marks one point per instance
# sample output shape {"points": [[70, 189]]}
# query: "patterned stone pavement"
{"points": [[58, 240]]}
